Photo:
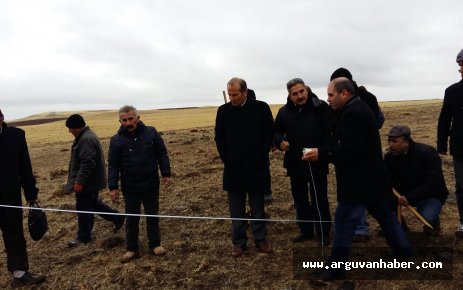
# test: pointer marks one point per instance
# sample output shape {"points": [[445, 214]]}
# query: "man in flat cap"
{"points": [[15, 173], [416, 173], [451, 125], [86, 177]]}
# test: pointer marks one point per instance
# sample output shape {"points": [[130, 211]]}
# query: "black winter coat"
{"points": [[15, 167], [243, 136], [308, 126], [418, 174], [451, 121], [361, 175], [87, 165], [135, 159]]}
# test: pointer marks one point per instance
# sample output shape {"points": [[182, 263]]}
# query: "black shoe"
{"points": [[361, 238], [27, 279], [326, 275], [302, 237], [119, 223], [431, 232]]}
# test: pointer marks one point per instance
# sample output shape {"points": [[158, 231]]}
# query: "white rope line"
{"points": [[163, 216]]}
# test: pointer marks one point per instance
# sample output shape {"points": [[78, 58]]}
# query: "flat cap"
{"points": [[399, 131]]}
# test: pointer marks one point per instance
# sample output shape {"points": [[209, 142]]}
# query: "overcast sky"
{"points": [[102, 54]]}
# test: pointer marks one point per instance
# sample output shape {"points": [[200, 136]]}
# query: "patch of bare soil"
{"points": [[199, 250], [34, 121]]}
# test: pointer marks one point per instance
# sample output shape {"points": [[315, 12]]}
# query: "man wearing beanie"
{"points": [[86, 177], [15, 173], [451, 125]]}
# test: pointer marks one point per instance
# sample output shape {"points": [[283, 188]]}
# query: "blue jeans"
{"points": [[458, 168], [363, 228], [346, 220], [430, 209]]}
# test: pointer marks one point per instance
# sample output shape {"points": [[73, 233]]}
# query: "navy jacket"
{"points": [[308, 126], [15, 167], [361, 175], [418, 174], [135, 159], [243, 137], [451, 121]]}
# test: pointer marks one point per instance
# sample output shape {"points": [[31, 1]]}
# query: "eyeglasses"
{"points": [[294, 82]]}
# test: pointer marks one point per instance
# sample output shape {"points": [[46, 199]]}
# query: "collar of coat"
{"points": [[140, 127], [312, 102]]}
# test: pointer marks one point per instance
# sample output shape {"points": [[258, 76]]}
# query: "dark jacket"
{"points": [[451, 121], [243, 136], [372, 103], [418, 174], [135, 159], [87, 165], [361, 175], [308, 126], [15, 167]]}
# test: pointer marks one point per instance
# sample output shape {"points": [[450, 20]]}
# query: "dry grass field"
{"points": [[198, 250]]}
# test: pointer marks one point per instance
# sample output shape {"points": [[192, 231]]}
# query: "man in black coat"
{"points": [[451, 125], [305, 122], [362, 232], [416, 173], [136, 155], [268, 197], [243, 135], [361, 177], [15, 173], [86, 177]]}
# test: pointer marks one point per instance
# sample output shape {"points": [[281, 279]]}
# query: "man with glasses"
{"points": [[136, 154], [243, 136], [451, 125], [305, 122]]}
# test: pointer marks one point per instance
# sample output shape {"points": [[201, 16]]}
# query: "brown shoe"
{"points": [[264, 247], [237, 251], [129, 256], [159, 251]]}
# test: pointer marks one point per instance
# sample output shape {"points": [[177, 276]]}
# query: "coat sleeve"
{"points": [[26, 176], [443, 126], [114, 164], [431, 182], [161, 155], [220, 139], [279, 129], [267, 127], [87, 160]]}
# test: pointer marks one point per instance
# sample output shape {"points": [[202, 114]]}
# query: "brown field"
{"points": [[198, 250]]}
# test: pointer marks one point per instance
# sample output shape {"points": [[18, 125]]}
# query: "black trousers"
{"points": [[11, 224], [133, 202], [237, 207], [308, 210], [89, 201]]}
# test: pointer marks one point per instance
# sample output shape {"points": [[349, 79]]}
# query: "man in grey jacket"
{"points": [[86, 177]]}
